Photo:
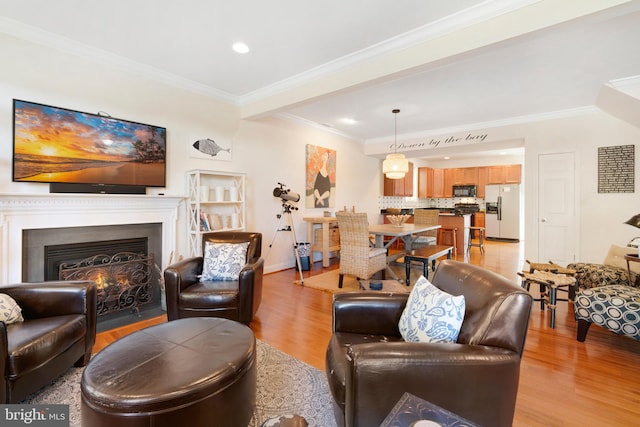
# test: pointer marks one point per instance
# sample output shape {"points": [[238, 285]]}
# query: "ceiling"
{"points": [[453, 65]]}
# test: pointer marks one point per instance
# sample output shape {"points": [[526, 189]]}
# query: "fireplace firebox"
{"points": [[124, 280], [126, 275]]}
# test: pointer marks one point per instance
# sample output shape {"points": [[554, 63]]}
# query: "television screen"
{"points": [[57, 145]]}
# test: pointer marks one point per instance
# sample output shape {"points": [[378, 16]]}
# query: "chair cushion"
{"points": [[208, 294], [431, 315], [224, 261], [614, 307], [35, 342], [10, 311]]}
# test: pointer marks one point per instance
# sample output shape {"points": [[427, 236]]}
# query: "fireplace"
{"points": [[30, 222], [123, 270], [120, 259]]}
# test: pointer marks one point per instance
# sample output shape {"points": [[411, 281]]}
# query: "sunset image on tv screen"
{"points": [[58, 145]]}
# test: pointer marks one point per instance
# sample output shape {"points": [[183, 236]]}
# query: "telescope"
{"points": [[285, 193]]}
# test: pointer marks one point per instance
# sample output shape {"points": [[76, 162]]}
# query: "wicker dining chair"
{"points": [[357, 257], [426, 217]]}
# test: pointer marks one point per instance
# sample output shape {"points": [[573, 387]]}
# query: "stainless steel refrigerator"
{"points": [[502, 208]]}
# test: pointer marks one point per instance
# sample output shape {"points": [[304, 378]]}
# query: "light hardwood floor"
{"points": [[562, 382]]}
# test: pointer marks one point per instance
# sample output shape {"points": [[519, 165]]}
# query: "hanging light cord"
{"points": [[395, 130]]}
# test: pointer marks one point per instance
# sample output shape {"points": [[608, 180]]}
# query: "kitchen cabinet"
{"points": [[506, 174], [495, 175], [483, 177], [400, 187], [447, 189], [465, 176], [425, 182], [438, 183], [513, 174]]}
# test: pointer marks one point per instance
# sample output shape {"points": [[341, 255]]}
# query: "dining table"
{"points": [[406, 232]]}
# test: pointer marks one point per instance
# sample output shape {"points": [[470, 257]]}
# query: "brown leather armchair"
{"points": [[369, 366], [188, 296], [58, 331]]}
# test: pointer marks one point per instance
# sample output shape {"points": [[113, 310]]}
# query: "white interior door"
{"points": [[557, 227]]}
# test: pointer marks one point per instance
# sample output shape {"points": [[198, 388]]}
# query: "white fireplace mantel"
{"points": [[19, 212]]}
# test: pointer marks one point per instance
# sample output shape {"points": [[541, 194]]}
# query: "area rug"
{"points": [[328, 282], [285, 386]]}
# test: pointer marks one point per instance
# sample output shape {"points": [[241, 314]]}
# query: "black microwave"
{"points": [[464, 191]]}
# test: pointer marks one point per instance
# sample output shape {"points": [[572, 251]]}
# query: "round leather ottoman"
{"points": [[192, 372]]}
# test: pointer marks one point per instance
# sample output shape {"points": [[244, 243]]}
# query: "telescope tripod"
{"points": [[286, 211]]}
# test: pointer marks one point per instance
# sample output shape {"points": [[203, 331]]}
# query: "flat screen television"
{"points": [[71, 148]]}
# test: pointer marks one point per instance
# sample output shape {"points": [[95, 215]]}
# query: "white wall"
{"points": [[273, 150], [601, 217], [268, 151]]}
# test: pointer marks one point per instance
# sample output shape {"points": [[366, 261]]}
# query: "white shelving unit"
{"points": [[214, 194]]}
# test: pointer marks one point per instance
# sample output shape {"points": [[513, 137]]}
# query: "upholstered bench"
{"points": [[188, 372], [614, 307]]}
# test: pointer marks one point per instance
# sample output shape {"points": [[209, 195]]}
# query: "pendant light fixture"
{"points": [[395, 166]]}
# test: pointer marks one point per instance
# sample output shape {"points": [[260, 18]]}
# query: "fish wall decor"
{"points": [[209, 146]]}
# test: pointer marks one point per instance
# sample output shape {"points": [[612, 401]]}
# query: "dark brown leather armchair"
{"points": [[188, 296], [369, 366], [58, 331]]}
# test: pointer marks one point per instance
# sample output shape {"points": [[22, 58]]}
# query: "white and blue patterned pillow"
{"points": [[10, 311], [431, 315], [223, 261]]}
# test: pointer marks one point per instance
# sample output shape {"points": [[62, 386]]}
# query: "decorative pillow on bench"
{"points": [[224, 261], [431, 315], [615, 258]]}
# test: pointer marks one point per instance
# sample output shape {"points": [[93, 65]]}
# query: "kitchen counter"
{"points": [[461, 223]]}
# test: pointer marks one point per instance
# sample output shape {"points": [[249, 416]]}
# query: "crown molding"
{"points": [[446, 25], [518, 120], [45, 38]]}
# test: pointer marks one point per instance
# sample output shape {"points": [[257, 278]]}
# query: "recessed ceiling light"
{"points": [[240, 47], [447, 158], [348, 121]]}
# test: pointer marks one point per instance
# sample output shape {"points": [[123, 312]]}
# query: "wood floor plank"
{"points": [[562, 382]]}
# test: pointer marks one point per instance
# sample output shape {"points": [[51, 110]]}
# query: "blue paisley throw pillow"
{"points": [[223, 261], [431, 315]]}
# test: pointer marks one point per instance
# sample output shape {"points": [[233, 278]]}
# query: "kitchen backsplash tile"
{"points": [[386, 202]]}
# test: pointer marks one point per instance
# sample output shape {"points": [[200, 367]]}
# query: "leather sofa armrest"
{"points": [[4, 358], [183, 274], [54, 298], [368, 312], [250, 288], [465, 379], [177, 277]]}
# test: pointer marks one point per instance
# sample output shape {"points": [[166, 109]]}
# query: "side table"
{"points": [[632, 258], [410, 409], [326, 248]]}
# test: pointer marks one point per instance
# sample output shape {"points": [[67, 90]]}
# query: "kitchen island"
{"points": [[462, 223]]}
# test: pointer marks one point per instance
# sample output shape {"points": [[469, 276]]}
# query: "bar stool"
{"points": [[480, 243], [452, 233]]}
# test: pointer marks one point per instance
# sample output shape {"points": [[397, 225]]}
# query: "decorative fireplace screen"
{"points": [[124, 280]]}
